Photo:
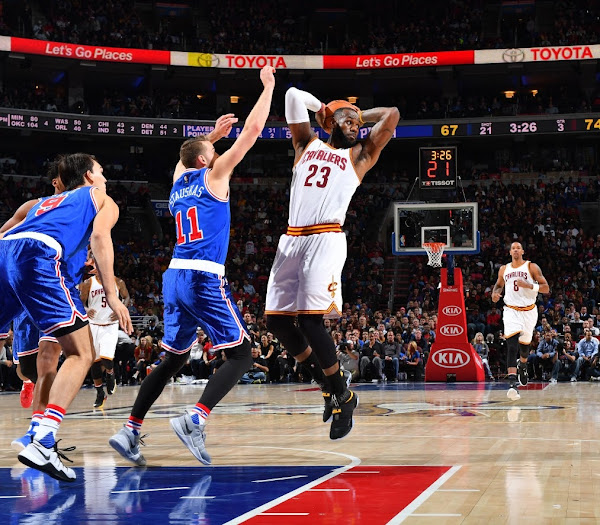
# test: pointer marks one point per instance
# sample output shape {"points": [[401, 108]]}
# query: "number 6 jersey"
{"points": [[323, 183]]}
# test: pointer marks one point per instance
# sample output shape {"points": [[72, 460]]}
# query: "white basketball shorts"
{"points": [[306, 275], [105, 338], [520, 322]]}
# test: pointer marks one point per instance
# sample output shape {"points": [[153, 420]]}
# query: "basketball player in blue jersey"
{"points": [[305, 280], [195, 290], [34, 278], [35, 353], [26, 336]]}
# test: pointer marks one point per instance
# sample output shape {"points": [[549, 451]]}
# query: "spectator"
{"points": [[258, 370]]}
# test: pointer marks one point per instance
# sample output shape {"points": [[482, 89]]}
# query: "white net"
{"points": [[434, 250]]}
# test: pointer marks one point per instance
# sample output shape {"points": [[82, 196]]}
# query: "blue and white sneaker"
{"points": [[48, 460], [126, 443], [192, 435]]}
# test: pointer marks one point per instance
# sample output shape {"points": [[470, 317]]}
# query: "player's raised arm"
{"points": [[386, 120], [255, 123], [297, 104]]}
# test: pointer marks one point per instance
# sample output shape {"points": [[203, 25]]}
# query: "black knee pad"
{"points": [[107, 363], [96, 370], [320, 341], [29, 366], [285, 329], [523, 350], [512, 349]]}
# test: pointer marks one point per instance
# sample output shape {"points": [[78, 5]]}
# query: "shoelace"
{"points": [[60, 451], [140, 440]]}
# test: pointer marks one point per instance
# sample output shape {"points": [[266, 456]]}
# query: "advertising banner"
{"points": [[92, 53]]}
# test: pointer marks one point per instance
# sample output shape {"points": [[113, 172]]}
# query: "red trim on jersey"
{"points": [[208, 188]]}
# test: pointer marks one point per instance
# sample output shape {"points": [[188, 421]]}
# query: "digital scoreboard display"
{"points": [[437, 167], [527, 125]]}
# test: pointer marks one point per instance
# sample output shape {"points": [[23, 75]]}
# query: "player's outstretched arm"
{"points": [[386, 120], [297, 104], [102, 248], [223, 166]]}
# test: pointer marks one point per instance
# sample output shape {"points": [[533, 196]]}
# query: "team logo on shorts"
{"points": [[332, 288]]}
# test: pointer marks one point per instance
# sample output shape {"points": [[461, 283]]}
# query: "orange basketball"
{"points": [[324, 119]]}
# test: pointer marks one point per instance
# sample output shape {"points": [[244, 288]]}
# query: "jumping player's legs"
{"points": [[191, 298]]}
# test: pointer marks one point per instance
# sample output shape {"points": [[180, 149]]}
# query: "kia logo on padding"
{"points": [[451, 358], [452, 310], [451, 329]]}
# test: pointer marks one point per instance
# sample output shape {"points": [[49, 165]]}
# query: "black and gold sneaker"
{"points": [[343, 407]]}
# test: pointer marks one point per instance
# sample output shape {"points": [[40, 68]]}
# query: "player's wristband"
{"points": [[536, 287]]}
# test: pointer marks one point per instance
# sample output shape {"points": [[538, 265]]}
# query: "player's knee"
{"points": [[96, 370], [512, 350], [29, 367], [107, 363], [523, 350]]}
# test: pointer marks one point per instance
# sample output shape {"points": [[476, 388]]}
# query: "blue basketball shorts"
{"points": [[26, 336], [32, 280], [195, 298]]}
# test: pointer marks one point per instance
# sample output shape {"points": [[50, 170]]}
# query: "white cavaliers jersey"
{"points": [[97, 301], [323, 184], [515, 296]]}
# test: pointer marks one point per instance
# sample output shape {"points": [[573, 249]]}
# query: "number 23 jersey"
{"points": [[323, 183]]}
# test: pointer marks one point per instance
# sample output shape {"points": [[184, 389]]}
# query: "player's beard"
{"points": [[340, 140]]}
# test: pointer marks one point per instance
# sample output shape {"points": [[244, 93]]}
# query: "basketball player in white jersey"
{"points": [[104, 326], [521, 280], [305, 280]]}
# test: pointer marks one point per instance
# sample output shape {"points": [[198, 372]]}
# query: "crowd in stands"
{"points": [[544, 217], [277, 26]]}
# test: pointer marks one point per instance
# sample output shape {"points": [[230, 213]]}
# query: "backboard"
{"points": [[454, 224]]}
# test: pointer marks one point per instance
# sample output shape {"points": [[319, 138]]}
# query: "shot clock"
{"points": [[437, 167]]}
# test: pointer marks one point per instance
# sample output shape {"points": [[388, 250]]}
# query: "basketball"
{"points": [[325, 118]]}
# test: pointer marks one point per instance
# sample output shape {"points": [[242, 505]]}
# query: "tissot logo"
{"points": [[513, 55], [451, 329], [451, 358], [452, 310]]}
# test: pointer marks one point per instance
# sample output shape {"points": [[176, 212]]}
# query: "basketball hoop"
{"points": [[434, 250]]}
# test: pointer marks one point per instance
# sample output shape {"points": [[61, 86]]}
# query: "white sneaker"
{"points": [[553, 381], [126, 443], [513, 393], [48, 460], [573, 379], [192, 436]]}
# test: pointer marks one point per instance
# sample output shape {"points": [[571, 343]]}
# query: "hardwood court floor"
{"points": [[419, 453]]}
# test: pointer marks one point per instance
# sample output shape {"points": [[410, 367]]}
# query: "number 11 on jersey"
{"points": [[195, 232]]}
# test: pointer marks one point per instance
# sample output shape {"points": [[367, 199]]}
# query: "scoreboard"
{"points": [[181, 129], [437, 167]]}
